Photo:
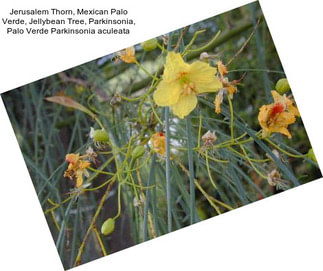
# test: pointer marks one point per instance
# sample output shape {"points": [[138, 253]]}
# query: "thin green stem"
{"points": [[251, 159], [191, 168], [199, 134], [101, 185], [168, 178], [251, 163], [256, 70], [189, 45], [119, 202], [98, 237], [285, 152], [231, 118], [206, 46], [99, 122], [100, 171], [148, 195], [208, 169], [145, 70]]}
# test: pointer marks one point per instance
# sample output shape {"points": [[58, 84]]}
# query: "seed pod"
{"points": [[108, 226], [282, 86], [100, 136], [138, 152], [149, 45], [311, 155]]}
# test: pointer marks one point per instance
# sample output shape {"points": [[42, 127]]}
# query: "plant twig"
{"points": [[92, 224]]}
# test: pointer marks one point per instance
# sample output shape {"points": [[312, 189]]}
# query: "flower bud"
{"points": [[149, 45], [100, 136], [138, 152], [311, 155], [108, 226], [115, 100], [204, 57], [282, 86]]}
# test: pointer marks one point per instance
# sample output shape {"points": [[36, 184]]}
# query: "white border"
{"points": [[283, 232]]}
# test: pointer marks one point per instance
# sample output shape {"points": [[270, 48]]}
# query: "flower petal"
{"points": [[167, 94], [173, 66], [185, 105], [79, 178], [277, 97], [284, 131], [285, 119], [204, 77], [293, 109], [263, 115]]}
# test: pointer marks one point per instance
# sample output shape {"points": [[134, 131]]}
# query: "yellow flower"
{"points": [[76, 168], [128, 55], [277, 116], [158, 142], [182, 82]]}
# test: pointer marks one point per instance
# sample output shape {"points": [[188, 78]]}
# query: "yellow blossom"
{"points": [[76, 168], [158, 142], [277, 116], [182, 82], [128, 55]]}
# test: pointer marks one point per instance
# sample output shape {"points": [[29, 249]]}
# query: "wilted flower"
{"points": [[218, 100], [138, 202], [229, 87], [209, 138], [277, 116], [76, 168], [182, 82], [274, 179], [223, 71], [116, 99], [128, 55], [91, 154], [158, 142]]}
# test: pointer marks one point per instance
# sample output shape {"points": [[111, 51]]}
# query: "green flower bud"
{"points": [[108, 226], [138, 152], [100, 136], [282, 86], [311, 155], [149, 45]]}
